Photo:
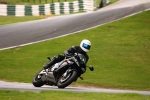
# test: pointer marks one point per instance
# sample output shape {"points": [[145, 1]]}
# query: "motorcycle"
{"points": [[62, 73]]}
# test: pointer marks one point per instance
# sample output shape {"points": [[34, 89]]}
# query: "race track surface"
{"points": [[13, 35], [30, 87], [25, 33]]}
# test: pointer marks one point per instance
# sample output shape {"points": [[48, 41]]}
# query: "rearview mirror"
{"points": [[91, 68], [49, 58]]}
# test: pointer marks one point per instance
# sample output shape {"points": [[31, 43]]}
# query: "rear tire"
{"points": [[37, 82], [71, 78]]}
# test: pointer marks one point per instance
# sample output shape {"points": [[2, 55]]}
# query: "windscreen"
{"points": [[82, 58]]}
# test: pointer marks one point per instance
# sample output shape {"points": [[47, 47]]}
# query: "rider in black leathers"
{"points": [[82, 49]]}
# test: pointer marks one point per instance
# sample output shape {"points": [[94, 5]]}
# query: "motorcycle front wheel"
{"points": [[37, 81], [67, 78]]}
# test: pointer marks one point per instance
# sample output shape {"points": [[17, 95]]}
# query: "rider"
{"points": [[82, 49]]}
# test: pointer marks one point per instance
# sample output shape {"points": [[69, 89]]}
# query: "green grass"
{"points": [[97, 2], [12, 19], [120, 54], [25, 2], [56, 95], [31, 2], [113, 1]]}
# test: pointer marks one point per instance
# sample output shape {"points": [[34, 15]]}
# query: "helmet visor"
{"points": [[86, 46]]}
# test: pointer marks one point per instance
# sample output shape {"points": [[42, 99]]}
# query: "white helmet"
{"points": [[85, 45]]}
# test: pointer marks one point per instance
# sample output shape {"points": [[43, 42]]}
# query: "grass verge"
{"points": [[12, 19], [31, 2], [120, 53], [56, 95], [97, 2]]}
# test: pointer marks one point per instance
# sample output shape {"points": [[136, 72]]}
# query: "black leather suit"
{"points": [[68, 52]]}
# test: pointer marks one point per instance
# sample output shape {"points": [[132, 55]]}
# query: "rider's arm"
{"points": [[69, 51]]}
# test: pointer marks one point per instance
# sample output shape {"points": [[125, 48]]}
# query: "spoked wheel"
{"points": [[37, 81], [67, 78]]}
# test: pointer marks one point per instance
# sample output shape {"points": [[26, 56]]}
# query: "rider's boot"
{"points": [[49, 64], [55, 59]]}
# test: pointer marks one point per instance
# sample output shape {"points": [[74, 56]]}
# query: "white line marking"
{"points": [[73, 32]]}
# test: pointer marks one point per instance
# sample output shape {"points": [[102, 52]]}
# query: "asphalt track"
{"points": [[30, 87], [26, 33]]}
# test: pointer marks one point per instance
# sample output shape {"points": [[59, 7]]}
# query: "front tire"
{"points": [[37, 81], [64, 81]]}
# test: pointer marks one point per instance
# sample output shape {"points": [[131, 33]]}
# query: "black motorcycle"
{"points": [[62, 73]]}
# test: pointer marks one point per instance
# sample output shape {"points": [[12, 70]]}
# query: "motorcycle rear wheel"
{"points": [[67, 80]]}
